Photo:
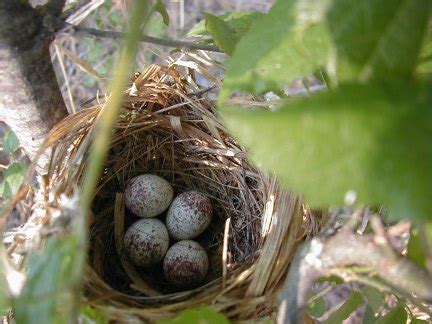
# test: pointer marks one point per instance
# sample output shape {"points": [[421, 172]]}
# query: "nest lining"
{"points": [[167, 128]]}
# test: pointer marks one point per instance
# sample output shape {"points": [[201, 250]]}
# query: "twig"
{"points": [[322, 255], [143, 38]]}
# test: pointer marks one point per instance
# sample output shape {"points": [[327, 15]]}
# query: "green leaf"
{"points": [[417, 248], [4, 289], [159, 7], [239, 22], [374, 297], [48, 288], [13, 178], [425, 57], [373, 139], [90, 315], [354, 300], [280, 46], [10, 142], [221, 32], [316, 308], [369, 316], [419, 321], [198, 316], [377, 38], [397, 315]]}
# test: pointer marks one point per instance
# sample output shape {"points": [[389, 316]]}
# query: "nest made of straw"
{"points": [[168, 127]]}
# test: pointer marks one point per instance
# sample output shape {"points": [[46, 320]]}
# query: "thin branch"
{"points": [[322, 255], [144, 38]]}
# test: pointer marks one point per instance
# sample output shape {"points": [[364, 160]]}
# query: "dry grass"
{"points": [[169, 127]]}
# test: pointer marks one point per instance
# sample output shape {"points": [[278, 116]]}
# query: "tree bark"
{"points": [[30, 99]]}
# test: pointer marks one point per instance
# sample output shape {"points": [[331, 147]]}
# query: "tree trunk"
{"points": [[30, 99]]}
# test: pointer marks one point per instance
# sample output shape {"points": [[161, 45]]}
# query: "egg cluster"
{"points": [[146, 241]]}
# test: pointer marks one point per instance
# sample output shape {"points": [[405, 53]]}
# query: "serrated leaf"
{"points": [[373, 139], [278, 48], [397, 315], [13, 178], [159, 7], [198, 316], [316, 308], [416, 248], [221, 32], [374, 297], [10, 142], [377, 38], [239, 22], [354, 300]]}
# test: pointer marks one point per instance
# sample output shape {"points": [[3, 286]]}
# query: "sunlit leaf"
{"points": [[221, 32], [90, 315], [280, 46], [239, 22], [372, 139], [159, 7], [198, 316], [377, 38]]}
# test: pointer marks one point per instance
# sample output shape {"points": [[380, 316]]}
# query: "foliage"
{"points": [[371, 132], [47, 296], [13, 175], [198, 316]]}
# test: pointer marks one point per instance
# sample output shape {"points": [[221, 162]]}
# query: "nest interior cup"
{"points": [[169, 128]]}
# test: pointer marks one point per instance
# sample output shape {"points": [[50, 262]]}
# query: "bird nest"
{"points": [[168, 127]]}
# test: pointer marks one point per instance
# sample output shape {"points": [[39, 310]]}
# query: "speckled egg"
{"points": [[189, 215], [148, 195], [186, 264], [146, 242]]}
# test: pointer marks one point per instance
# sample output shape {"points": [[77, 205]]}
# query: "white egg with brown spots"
{"points": [[186, 264], [148, 195], [189, 215], [146, 242]]}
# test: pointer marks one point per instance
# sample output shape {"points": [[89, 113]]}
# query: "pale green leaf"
{"points": [[354, 300], [373, 139], [159, 7], [221, 32], [239, 22], [279, 47], [198, 316], [397, 315], [425, 57], [10, 142], [91, 315], [377, 38]]}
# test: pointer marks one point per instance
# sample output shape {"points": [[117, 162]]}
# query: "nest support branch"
{"points": [[330, 254]]}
